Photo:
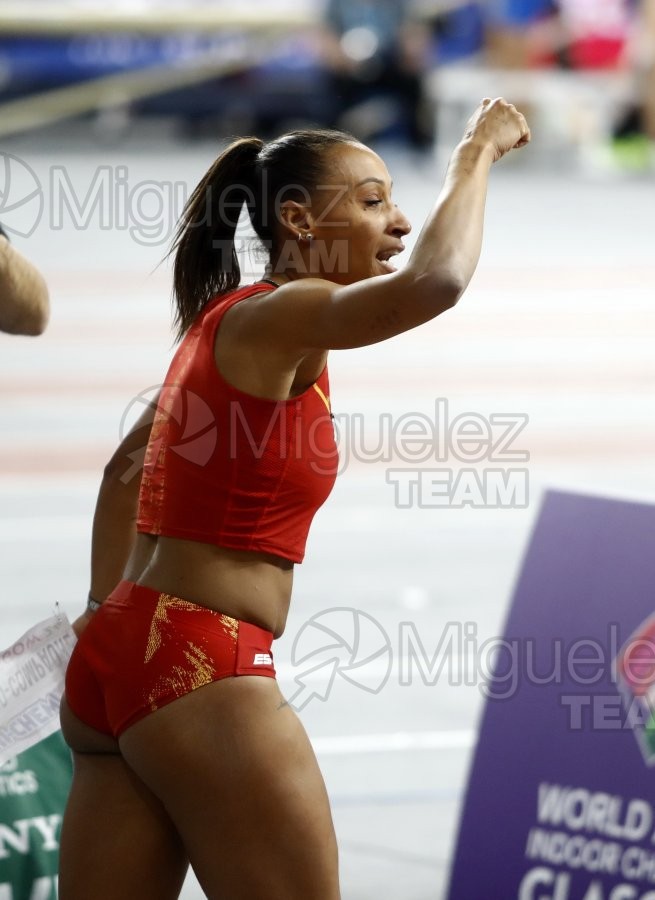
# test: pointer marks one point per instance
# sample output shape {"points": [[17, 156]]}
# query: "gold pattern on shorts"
{"points": [[230, 625], [182, 679], [201, 670], [193, 667], [160, 619]]}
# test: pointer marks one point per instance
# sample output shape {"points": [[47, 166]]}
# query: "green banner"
{"points": [[33, 791]]}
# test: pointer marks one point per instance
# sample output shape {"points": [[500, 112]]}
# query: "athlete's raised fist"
{"points": [[499, 125]]}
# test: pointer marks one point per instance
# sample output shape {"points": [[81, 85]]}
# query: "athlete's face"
{"points": [[356, 227]]}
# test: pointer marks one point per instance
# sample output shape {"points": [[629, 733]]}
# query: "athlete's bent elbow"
{"points": [[452, 292], [441, 291]]}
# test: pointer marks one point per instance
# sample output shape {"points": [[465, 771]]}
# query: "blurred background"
{"points": [[383, 69], [110, 114]]}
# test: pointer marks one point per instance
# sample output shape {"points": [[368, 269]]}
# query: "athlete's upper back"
{"points": [[228, 468]]}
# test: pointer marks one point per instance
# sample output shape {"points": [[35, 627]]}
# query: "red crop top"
{"points": [[227, 468]]}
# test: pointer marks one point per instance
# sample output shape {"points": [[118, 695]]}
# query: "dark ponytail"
{"points": [[206, 263], [262, 177]]}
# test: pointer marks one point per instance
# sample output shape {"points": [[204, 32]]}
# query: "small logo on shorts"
{"points": [[262, 659]]}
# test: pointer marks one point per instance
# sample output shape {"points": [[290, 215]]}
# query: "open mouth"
{"points": [[385, 259]]}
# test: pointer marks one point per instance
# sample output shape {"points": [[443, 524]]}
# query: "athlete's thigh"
{"points": [[235, 769], [117, 840]]}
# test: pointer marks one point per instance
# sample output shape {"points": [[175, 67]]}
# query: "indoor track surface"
{"points": [[555, 332]]}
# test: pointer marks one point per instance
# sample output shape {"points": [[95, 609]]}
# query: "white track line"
{"points": [[393, 742]]}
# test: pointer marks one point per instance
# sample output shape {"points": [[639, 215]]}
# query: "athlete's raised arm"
{"points": [[365, 229], [324, 209]]}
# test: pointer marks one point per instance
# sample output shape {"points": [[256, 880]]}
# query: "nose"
{"points": [[400, 224]]}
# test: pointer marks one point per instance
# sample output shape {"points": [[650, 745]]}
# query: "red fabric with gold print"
{"points": [[143, 649]]}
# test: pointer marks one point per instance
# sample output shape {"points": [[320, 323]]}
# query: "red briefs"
{"points": [[143, 649]]}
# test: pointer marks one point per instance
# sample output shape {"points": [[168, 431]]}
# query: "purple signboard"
{"points": [[560, 803]]}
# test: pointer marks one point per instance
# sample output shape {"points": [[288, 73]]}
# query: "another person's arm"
{"points": [[24, 300], [114, 521]]}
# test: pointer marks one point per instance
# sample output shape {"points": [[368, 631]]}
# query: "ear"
{"points": [[296, 218]]}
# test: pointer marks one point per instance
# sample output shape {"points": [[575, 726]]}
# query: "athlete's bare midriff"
{"points": [[253, 587]]}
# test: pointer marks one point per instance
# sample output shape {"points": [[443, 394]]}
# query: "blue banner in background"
{"points": [[46, 61], [287, 76], [29, 62], [560, 803]]}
